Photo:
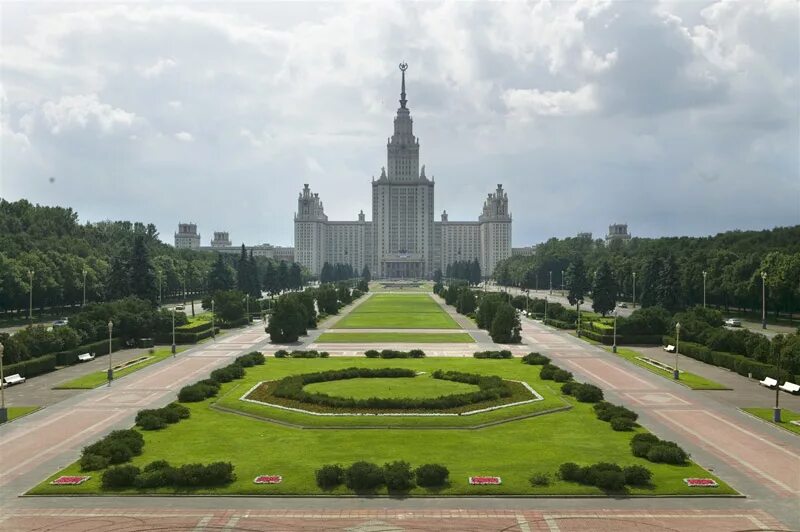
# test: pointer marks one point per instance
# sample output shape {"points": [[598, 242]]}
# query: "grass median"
{"points": [[691, 380], [15, 412], [398, 311], [98, 378], [786, 417], [394, 338]]}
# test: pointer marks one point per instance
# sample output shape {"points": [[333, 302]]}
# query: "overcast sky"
{"points": [[678, 118]]}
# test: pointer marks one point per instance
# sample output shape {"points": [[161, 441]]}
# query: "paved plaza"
{"points": [[759, 460]]}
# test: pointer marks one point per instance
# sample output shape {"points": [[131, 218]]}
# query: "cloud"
{"points": [[155, 70], [83, 111], [524, 102], [184, 136]]}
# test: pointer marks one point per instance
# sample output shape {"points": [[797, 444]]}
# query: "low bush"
{"points": [[562, 375], [652, 448], [228, 373], [571, 472], [156, 474], [117, 447], [604, 475], [392, 353], [281, 353], [363, 476], [93, 462], [535, 359], [588, 393], [150, 421], [546, 373], [540, 479], [199, 391], [493, 354], [606, 411], [329, 476], [637, 475], [568, 388], [372, 353], [155, 419], [431, 475], [119, 477], [254, 358], [398, 476], [621, 424], [308, 354], [197, 475]]}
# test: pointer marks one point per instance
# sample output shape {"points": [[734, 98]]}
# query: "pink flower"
{"points": [[69, 481], [701, 482], [268, 479], [485, 480]]}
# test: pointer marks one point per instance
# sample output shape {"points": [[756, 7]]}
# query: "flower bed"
{"points": [[485, 481], [701, 482], [268, 479], [69, 480]]}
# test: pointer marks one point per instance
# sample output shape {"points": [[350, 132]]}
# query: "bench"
{"points": [[790, 387], [14, 379], [769, 382], [86, 357], [669, 348]]}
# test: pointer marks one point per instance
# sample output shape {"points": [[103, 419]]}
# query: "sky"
{"points": [[677, 118]]}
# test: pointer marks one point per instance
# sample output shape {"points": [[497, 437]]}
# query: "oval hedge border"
{"points": [[491, 388]]}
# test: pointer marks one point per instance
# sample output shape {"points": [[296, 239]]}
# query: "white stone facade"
{"points": [[187, 237], [402, 240]]}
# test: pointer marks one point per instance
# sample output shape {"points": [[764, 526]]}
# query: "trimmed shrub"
{"points": [[150, 421], [621, 424], [372, 353], [667, 453], [281, 353], [363, 476], [199, 391], [637, 475], [588, 393], [610, 480], [398, 476], [156, 474], [540, 479], [431, 475], [228, 373], [194, 475], [93, 462], [493, 354], [606, 411], [535, 359], [329, 476], [119, 477], [568, 388], [571, 472], [254, 358], [546, 373], [562, 375]]}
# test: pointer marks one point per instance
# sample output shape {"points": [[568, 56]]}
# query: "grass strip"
{"points": [[15, 412], [786, 417], [691, 380], [395, 337], [98, 378]]}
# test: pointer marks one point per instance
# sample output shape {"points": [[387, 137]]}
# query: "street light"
{"points": [[159, 286], [110, 373], [776, 412], [173, 331], [634, 289], [30, 304], [84, 287], [578, 331], [3, 411], [675, 374], [545, 310], [562, 283], [704, 288], [551, 282], [247, 306], [213, 328], [763, 300], [614, 345], [527, 302]]}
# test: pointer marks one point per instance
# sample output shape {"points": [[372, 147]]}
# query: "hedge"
{"points": [[558, 324], [185, 337], [738, 363], [32, 367], [235, 323], [196, 328], [392, 353], [493, 354], [608, 339], [99, 348]]}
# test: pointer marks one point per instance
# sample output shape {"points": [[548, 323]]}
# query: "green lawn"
{"points": [[695, 382], [786, 417], [421, 386], [395, 337], [18, 411], [513, 450], [98, 378], [398, 311]]}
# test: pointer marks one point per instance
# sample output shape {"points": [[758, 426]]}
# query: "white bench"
{"points": [[790, 387], [769, 382], [669, 348], [86, 357], [14, 379]]}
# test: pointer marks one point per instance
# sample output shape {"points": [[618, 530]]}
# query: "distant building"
{"points": [[617, 232], [402, 239], [525, 251], [221, 239], [187, 237], [586, 236]]}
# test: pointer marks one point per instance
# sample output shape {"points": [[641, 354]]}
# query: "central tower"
{"points": [[402, 203]]}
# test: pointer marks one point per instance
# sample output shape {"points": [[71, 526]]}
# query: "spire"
{"points": [[403, 68]]}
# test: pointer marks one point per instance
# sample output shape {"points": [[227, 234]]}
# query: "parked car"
{"points": [[623, 305], [61, 322], [733, 322]]}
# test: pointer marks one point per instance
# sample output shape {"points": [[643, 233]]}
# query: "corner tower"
{"points": [[402, 203]]}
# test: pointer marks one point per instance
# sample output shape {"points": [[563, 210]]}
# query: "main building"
{"points": [[402, 239]]}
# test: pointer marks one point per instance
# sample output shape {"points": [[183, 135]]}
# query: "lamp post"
{"points": [[30, 301], [110, 373], [675, 374], [527, 301], [614, 345], [545, 310], [173, 331], [776, 412], [634, 289], [159, 286], [763, 300], [551, 282], [213, 328], [578, 331], [84, 287], [247, 306], [562, 283], [3, 411], [705, 273]]}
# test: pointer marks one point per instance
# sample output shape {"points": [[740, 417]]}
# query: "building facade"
{"points": [[402, 240], [187, 237], [617, 232]]}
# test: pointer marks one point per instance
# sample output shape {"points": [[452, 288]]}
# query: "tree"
{"points": [[466, 301], [229, 305], [221, 276], [505, 328], [474, 272], [604, 291], [119, 281], [326, 274], [437, 276], [283, 276], [295, 276], [668, 291], [243, 272], [577, 281], [254, 286], [365, 274], [288, 320], [327, 299], [271, 279], [487, 309]]}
